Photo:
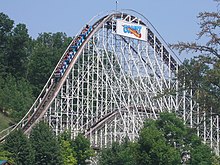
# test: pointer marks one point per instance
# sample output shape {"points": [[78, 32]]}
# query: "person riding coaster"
{"points": [[71, 52]]}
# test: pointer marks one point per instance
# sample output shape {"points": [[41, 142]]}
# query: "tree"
{"points": [[203, 72], [5, 155], [182, 138], [201, 154], [209, 25], [6, 25], [18, 51], [154, 147], [82, 148], [16, 92], [14, 47], [46, 52], [172, 128], [203, 77], [67, 152], [15, 97], [161, 141], [18, 148], [45, 145], [119, 154]]}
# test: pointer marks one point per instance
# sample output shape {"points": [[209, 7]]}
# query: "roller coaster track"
{"points": [[152, 70], [50, 90], [101, 122]]}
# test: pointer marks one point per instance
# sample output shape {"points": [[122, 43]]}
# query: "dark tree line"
{"points": [[25, 65], [43, 147], [163, 141]]}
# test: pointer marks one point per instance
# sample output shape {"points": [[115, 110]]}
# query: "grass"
{"points": [[4, 122]]}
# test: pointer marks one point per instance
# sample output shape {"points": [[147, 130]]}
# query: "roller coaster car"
{"points": [[74, 48], [64, 66], [85, 31], [71, 52], [83, 35], [67, 61], [57, 76]]}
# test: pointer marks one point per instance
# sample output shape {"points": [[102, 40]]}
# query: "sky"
{"points": [[175, 20]]}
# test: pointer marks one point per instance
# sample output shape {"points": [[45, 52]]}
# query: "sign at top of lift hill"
{"points": [[131, 30]]}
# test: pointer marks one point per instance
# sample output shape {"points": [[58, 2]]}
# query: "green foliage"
{"points": [[161, 141], [202, 73], [183, 138], [123, 154], [45, 53], [18, 148], [201, 154], [15, 97], [154, 147], [14, 47], [18, 51], [203, 77], [76, 151], [215, 160], [45, 145], [173, 129], [82, 148], [5, 121], [16, 93], [5, 155], [44, 148], [25, 65], [67, 152], [6, 25]]}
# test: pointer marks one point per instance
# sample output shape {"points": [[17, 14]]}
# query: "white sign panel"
{"points": [[131, 30]]}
